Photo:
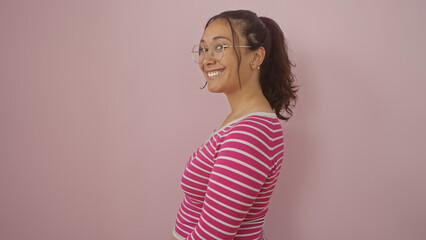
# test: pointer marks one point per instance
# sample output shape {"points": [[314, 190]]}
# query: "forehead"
{"points": [[218, 27]]}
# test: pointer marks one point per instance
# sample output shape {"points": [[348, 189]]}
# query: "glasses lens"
{"points": [[197, 53], [217, 50]]}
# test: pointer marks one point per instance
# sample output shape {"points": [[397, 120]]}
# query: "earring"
{"points": [[252, 64]]}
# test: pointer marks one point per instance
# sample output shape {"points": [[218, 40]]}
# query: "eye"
{"points": [[219, 47], [202, 49]]}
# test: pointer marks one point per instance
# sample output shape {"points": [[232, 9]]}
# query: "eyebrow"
{"points": [[215, 38]]}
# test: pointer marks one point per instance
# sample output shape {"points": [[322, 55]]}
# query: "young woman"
{"points": [[229, 180]]}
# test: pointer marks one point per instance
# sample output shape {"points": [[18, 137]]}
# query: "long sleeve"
{"points": [[243, 165]]}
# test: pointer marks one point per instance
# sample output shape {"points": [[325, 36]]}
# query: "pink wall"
{"points": [[100, 109]]}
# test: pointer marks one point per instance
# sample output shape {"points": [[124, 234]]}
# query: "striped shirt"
{"points": [[229, 180]]}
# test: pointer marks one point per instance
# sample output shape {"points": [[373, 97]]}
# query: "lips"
{"points": [[214, 73]]}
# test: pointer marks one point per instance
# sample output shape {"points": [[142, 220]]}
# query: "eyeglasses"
{"points": [[216, 51]]}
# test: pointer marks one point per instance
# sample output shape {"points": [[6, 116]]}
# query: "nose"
{"points": [[207, 59]]}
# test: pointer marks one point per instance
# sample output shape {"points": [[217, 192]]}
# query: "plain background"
{"points": [[101, 108]]}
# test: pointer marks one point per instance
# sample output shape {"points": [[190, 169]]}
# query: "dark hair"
{"points": [[276, 78]]}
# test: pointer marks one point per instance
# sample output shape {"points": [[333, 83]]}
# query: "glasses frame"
{"points": [[201, 58]]}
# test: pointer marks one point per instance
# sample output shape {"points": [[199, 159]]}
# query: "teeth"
{"points": [[213, 74]]}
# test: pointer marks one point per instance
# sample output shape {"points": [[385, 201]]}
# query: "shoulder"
{"points": [[256, 129], [258, 124], [254, 138]]}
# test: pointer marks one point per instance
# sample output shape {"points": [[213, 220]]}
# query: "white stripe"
{"points": [[196, 189], [198, 201], [245, 153], [198, 167], [232, 190], [212, 148], [270, 121], [275, 172], [263, 208], [269, 191], [258, 139], [211, 135], [244, 164], [193, 215], [258, 197], [215, 141], [208, 150], [273, 182], [196, 174], [187, 220], [255, 213], [224, 205], [182, 229], [273, 178], [199, 160], [194, 199], [177, 235], [189, 209], [189, 215], [215, 228], [229, 198], [208, 158], [280, 152], [236, 181], [254, 221], [183, 224], [266, 126], [253, 147], [190, 204], [260, 131], [223, 213], [239, 172], [248, 234], [192, 180], [246, 118], [247, 228], [220, 221], [269, 186], [195, 230], [278, 162], [208, 233]]}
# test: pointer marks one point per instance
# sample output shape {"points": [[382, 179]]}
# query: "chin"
{"points": [[212, 90]]}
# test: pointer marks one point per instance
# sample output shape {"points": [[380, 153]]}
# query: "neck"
{"points": [[247, 99]]}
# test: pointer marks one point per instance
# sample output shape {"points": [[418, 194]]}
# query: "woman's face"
{"points": [[222, 75]]}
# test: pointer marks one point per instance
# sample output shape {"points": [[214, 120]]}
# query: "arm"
{"points": [[240, 169]]}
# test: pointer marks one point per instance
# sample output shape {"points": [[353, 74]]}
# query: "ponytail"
{"points": [[276, 78]]}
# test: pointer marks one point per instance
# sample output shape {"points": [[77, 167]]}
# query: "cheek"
{"points": [[232, 72]]}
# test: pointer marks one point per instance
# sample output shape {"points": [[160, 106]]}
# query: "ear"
{"points": [[258, 57]]}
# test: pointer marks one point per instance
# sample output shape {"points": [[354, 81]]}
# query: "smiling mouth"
{"points": [[214, 74]]}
